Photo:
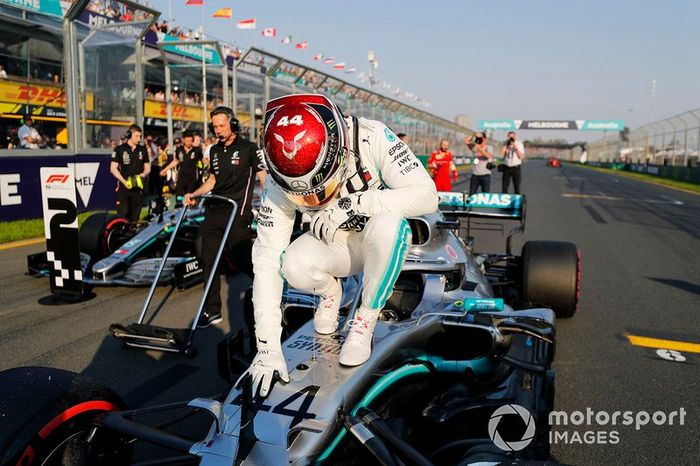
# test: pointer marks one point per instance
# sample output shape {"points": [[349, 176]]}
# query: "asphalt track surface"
{"points": [[640, 246]]}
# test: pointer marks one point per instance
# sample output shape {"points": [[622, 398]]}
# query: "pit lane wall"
{"points": [[20, 186]]}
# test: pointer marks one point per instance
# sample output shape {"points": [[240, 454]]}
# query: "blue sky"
{"points": [[494, 59]]}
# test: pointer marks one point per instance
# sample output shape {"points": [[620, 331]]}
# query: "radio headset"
{"points": [[233, 121]]}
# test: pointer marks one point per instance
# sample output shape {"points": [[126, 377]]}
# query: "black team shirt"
{"points": [[235, 167], [188, 162], [130, 162]]}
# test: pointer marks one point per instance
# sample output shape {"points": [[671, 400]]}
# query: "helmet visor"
{"points": [[319, 198]]}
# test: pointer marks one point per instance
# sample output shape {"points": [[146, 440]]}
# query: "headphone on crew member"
{"points": [[221, 109], [131, 130]]}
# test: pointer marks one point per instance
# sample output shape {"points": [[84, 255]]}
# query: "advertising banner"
{"points": [[157, 109], [20, 183], [47, 7], [211, 56], [38, 95], [582, 125]]}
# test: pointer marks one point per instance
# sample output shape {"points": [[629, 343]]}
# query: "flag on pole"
{"points": [[194, 2], [302, 45], [339, 66], [246, 24], [351, 70], [223, 13], [318, 57], [329, 60], [287, 40], [269, 32]]}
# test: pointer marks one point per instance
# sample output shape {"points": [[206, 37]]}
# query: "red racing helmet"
{"points": [[306, 146]]}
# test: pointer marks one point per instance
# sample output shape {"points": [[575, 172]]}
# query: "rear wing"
{"points": [[484, 205]]}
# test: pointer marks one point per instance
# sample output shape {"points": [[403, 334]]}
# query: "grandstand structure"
{"points": [[86, 69]]}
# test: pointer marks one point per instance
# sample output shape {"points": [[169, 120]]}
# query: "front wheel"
{"points": [[49, 419], [103, 233], [551, 276]]}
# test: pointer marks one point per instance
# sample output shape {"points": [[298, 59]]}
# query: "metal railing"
{"points": [[674, 141]]}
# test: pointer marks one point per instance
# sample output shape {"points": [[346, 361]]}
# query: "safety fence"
{"points": [[671, 142]]}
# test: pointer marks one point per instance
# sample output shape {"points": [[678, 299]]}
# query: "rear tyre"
{"points": [[49, 419], [102, 234], [551, 276]]}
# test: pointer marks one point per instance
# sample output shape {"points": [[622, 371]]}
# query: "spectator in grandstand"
{"points": [[128, 15], [130, 166], [29, 137], [441, 166], [481, 167], [235, 163], [513, 153], [3, 73], [12, 138]]}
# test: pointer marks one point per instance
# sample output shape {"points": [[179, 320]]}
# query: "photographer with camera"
{"points": [[482, 165], [513, 153]]}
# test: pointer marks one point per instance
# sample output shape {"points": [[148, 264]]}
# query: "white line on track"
{"points": [[591, 196], [604, 197], [672, 200]]}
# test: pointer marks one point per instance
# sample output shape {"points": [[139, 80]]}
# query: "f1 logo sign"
{"points": [[58, 199], [57, 178]]}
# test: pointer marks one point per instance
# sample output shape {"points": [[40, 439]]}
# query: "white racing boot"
{"points": [[358, 344], [326, 316]]}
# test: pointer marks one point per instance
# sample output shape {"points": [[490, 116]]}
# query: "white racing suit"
{"points": [[395, 186]]}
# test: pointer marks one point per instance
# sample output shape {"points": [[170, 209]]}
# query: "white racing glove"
{"points": [[262, 371], [342, 213]]}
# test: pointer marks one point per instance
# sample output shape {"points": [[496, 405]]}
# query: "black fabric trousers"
{"points": [[514, 174], [479, 181], [239, 249], [186, 185], [129, 203]]}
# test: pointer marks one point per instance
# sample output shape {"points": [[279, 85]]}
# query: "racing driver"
{"points": [[358, 182]]}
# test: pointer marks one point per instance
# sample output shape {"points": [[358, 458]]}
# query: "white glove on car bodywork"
{"points": [[262, 370], [344, 213]]}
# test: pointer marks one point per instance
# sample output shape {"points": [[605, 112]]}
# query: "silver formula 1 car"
{"points": [[115, 253], [460, 371]]}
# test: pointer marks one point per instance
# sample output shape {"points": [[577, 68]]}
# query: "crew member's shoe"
{"points": [[326, 316], [358, 344], [206, 319]]}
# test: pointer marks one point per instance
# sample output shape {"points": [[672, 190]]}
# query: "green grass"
{"points": [[25, 229], [682, 185]]}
